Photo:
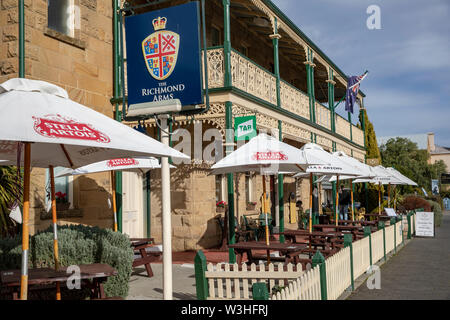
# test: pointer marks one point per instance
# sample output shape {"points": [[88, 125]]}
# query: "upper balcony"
{"points": [[256, 81]]}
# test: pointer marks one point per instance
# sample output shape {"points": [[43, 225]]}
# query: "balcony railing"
{"points": [[253, 79]]}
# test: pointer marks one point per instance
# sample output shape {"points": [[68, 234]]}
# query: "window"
{"points": [[61, 16], [62, 184], [220, 188], [215, 37], [248, 187]]}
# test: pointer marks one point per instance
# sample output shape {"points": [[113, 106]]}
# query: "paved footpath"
{"points": [[421, 270]]}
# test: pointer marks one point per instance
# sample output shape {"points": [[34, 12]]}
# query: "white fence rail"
{"points": [[227, 281], [338, 273], [307, 287], [230, 281]]}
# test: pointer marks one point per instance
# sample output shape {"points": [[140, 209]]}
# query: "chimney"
{"points": [[430, 142]]}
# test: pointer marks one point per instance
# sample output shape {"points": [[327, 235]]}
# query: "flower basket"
{"points": [[220, 206], [62, 206]]}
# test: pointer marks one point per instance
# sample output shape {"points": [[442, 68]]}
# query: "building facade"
{"points": [[258, 63]]}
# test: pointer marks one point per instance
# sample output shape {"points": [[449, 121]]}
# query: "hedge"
{"points": [[436, 207], [77, 245]]}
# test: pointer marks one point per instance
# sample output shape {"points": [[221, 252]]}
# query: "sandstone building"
{"points": [[258, 62]]}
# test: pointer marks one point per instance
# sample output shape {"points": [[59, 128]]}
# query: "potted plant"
{"points": [[220, 206], [61, 201], [251, 205]]}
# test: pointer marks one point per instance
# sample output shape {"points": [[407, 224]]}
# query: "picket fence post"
{"points": [[319, 260], [201, 284], [259, 291], [348, 243], [381, 227], [368, 232], [408, 216], [394, 223]]}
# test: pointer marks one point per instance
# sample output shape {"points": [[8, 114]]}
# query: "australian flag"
{"points": [[352, 91]]}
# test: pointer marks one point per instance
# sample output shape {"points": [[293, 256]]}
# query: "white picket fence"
{"points": [[361, 257], [227, 281], [338, 273], [307, 287]]}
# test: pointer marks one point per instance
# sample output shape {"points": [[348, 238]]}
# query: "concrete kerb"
{"points": [[363, 278]]}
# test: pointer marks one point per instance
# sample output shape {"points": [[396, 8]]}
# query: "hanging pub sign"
{"points": [[163, 55], [245, 127]]}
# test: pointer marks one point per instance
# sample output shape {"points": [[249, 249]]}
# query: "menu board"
{"points": [[425, 224], [390, 212]]}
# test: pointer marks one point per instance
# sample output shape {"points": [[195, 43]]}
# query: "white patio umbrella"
{"points": [[138, 165], [57, 131], [268, 156], [383, 176], [366, 171], [334, 166], [405, 181]]}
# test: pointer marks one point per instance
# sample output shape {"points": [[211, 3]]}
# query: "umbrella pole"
{"points": [[351, 195], [265, 213], [379, 198], [310, 201], [113, 185], [25, 231], [55, 228], [389, 195], [337, 200]]}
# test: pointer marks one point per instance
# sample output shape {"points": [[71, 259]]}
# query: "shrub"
{"points": [[437, 212], [77, 245], [413, 202]]}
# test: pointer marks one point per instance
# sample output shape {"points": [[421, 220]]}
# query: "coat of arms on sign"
{"points": [[160, 50]]}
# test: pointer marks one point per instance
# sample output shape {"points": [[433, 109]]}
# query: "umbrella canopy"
{"points": [[332, 163], [266, 155], [138, 165], [57, 131], [382, 176], [63, 132], [401, 177]]}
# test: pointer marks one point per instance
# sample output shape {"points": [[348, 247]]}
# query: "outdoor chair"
{"points": [[253, 229]]}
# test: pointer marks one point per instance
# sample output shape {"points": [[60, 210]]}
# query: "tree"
{"points": [[9, 190], [405, 156], [372, 152]]}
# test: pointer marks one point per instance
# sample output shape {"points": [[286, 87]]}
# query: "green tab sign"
{"points": [[245, 127]]}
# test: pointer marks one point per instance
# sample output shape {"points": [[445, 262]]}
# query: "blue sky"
{"points": [[408, 86]]}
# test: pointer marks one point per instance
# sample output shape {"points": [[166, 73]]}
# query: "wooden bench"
{"points": [[140, 246]]}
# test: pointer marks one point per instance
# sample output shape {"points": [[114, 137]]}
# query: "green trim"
{"points": [[290, 24], [230, 186], [348, 243], [285, 112], [281, 188], [148, 212], [368, 233], [277, 65], [201, 283], [318, 259], [227, 43]]}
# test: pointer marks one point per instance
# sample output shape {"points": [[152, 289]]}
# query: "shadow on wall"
{"points": [[91, 206], [212, 237]]}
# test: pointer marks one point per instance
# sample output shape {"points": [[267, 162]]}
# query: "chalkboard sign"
{"points": [[425, 224]]}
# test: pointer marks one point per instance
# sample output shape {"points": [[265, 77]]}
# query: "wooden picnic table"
{"points": [[91, 275], [315, 238], [357, 232], [288, 251], [140, 246]]}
